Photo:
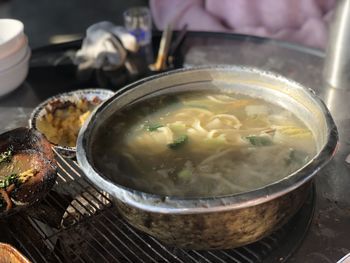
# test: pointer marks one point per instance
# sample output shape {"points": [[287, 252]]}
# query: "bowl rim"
{"points": [[14, 57], [80, 92], [184, 205], [18, 32]]}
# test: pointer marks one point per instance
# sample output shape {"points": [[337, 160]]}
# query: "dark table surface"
{"points": [[329, 236]]}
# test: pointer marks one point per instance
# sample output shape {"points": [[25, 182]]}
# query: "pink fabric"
{"points": [[302, 21]]}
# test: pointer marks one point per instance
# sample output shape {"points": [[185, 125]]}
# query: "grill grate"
{"points": [[78, 223]]}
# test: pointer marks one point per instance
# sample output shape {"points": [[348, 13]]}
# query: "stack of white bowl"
{"points": [[14, 55]]}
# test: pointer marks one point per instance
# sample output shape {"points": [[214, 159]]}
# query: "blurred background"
{"points": [[300, 21], [48, 21]]}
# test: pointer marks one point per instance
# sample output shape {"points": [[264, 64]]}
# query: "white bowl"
{"points": [[11, 78], [16, 56], [11, 36]]}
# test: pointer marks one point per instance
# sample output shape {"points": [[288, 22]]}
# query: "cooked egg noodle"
{"points": [[212, 145]]}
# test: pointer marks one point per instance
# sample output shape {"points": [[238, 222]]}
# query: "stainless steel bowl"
{"points": [[216, 222]]}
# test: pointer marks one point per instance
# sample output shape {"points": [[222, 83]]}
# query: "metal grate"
{"points": [[78, 223]]}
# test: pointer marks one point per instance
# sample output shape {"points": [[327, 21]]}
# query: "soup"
{"points": [[15, 170], [201, 144]]}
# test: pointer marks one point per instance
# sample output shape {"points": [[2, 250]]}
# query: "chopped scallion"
{"points": [[153, 127], [8, 180], [6, 156], [185, 174], [259, 140], [181, 140]]}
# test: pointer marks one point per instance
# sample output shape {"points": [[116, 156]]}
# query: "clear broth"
{"points": [[201, 144]]}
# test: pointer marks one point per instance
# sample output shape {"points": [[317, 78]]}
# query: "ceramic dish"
{"points": [[11, 36], [12, 77], [15, 57], [62, 130], [10, 254]]}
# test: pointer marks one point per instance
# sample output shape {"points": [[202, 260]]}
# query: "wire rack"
{"points": [[78, 223]]}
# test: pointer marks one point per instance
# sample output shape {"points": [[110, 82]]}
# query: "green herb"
{"points": [[154, 127], [8, 180], [259, 140], [6, 156], [181, 140], [185, 174]]}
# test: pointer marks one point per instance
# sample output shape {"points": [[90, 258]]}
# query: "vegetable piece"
{"points": [[153, 127], [24, 176], [185, 174], [8, 180], [7, 199], [10, 188], [9, 184], [17, 178], [6, 156], [298, 157], [259, 140], [181, 140]]}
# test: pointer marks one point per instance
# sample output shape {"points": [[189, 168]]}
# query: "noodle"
{"points": [[221, 101], [202, 144]]}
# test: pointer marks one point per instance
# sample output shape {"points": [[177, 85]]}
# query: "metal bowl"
{"points": [[216, 222], [73, 96]]}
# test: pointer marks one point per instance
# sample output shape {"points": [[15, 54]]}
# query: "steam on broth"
{"points": [[201, 144]]}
